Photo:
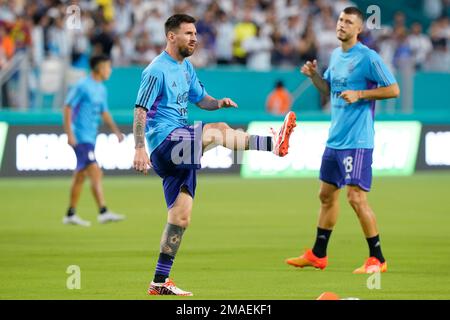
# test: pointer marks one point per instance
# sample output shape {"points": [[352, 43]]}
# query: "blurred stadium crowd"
{"points": [[258, 33]]}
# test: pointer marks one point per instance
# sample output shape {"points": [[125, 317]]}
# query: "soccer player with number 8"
{"points": [[356, 76]]}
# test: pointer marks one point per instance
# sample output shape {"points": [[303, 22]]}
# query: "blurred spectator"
{"points": [[103, 41], [279, 101], [7, 14], [6, 53], [399, 20], [293, 28], [242, 31], [326, 36], [144, 52], [81, 41], [386, 46], [154, 25], [38, 39], [124, 48], [403, 55], [60, 41], [224, 39], [21, 33], [7, 46], [258, 48], [283, 52], [205, 30], [340, 5], [420, 45], [440, 57], [123, 16], [307, 48], [306, 11], [107, 9]]}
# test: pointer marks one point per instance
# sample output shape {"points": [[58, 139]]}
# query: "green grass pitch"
{"points": [[241, 232]]}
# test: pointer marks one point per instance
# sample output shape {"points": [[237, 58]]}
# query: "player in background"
{"points": [[84, 108], [355, 78], [160, 116]]}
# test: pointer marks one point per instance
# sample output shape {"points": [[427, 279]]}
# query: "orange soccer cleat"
{"points": [[166, 288], [281, 140], [308, 259], [371, 265], [328, 296]]}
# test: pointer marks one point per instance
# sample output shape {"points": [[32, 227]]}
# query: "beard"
{"points": [[343, 37], [185, 51]]}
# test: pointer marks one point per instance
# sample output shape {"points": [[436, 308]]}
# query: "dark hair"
{"points": [[174, 22], [279, 84], [355, 11], [94, 61]]}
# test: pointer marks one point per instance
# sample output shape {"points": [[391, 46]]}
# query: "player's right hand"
{"points": [[141, 161], [309, 69], [71, 140]]}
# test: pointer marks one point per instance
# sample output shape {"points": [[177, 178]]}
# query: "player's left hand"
{"points": [[120, 136], [350, 96], [227, 103]]}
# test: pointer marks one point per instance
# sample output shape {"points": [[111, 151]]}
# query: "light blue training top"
{"points": [[88, 100], [166, 87], [360, 68]]}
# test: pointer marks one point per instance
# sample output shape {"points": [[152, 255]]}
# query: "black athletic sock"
{"points": [[163, 267], [262, 143], [320, 246], [375, 248], [103, 210], [70, 211]]}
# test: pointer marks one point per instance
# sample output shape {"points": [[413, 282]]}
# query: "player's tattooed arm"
{"points": [[171, 239], [141, 160], [140, 116], [209, 103]]}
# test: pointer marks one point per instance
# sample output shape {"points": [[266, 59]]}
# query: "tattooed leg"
{"points": [[170, 243], [178, 220], [171, 239]]}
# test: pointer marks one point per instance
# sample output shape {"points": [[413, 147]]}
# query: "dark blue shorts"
{"points": [[347, 167], [85, 155], [177, 159]]}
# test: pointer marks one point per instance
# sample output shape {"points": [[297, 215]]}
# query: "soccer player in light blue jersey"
{"points": [[85, 106], [356, 77], [175, 148]]}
